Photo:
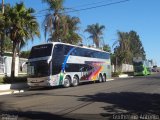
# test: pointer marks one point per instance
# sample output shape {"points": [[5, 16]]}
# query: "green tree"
{"points": [[96, 32], [137, 48], [123, 51], [129, 46], [53, 19], [8, 44], [21, 26], [2, 26], [62, 27], [107, 48], [68, 30], [24, 54], [2, 30]]}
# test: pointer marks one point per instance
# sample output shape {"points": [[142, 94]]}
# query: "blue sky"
{"points": [[141, 16]]}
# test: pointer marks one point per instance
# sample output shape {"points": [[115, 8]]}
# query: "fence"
{"points": [[5, 66], [123, 68]]}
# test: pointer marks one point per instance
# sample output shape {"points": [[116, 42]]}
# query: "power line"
{"points": [[94, 7], [108, 4], [89, 4], [83, 5]]}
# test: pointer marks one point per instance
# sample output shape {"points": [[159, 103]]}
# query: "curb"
{"points": [[12, 88], [123, 76], [110, 79], [16, 86], [11, 92]]}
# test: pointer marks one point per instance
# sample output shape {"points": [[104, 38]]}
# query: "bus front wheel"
{"points": [[67, 82]]}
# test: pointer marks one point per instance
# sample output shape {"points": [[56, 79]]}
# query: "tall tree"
{"points": [[21, 26], [123, 50], [53, 19], [137, 48], [62, 27], [2, 29], [68, 30], [2, 26], [96, 32], [106, 48], [8, 45], [129, 46]]}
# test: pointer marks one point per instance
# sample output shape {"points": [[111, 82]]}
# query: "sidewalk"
{"points": [[5, 92], [13, 88], [21, 87]]}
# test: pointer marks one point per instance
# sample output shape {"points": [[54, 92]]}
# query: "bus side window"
{"points": [[74, 52], [67, 49], [58, 58]]}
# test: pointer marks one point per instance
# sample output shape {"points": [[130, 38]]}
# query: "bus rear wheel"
{"points": [[104, 78], [100, 79], [75, 81], [67, 82]]}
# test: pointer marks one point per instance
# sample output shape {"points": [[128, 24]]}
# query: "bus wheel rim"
{"points": [[75, 81], [100, 78], [66, 83]]}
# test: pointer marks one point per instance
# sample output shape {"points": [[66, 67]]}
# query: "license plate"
{"points": [[36, 84]]}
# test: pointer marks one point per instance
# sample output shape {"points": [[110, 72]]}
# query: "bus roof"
{"points": [[91, 48]]}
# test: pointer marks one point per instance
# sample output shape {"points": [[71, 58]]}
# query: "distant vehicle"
{"points": [[141, 67], [56, 63], [155, 69]]}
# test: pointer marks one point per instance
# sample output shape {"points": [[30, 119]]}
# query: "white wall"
{"points": [[5, 68]]}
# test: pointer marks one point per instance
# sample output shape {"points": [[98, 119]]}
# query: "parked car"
{"points": [[155, 69]]}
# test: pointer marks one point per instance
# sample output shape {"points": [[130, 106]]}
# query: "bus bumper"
{"points": [[41, 82]]}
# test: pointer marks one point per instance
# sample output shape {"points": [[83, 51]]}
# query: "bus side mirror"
{"points": [[21, 67]]}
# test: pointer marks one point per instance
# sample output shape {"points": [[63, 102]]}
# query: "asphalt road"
{"points": [[129, 98]]}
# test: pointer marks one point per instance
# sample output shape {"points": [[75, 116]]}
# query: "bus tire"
{"points": [[100, 79], [67, 82], [75, 81], [104, 78]]}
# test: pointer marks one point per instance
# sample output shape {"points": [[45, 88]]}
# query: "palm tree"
{"points": [[6, 44], [2, 25], [106, 48], [123, 50], [2, 33], [62, 27], [129, 46], [70, 28], [53, 18], [136, 45], [95, 31], [21, 26]]}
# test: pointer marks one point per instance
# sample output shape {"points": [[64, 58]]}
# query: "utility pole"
{"points": [[2, 6], [45, 34], [3, 35]]}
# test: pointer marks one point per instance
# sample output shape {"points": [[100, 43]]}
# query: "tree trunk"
{"points": [[13, 60], [2, 44]]}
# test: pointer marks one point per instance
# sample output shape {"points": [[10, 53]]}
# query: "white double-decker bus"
{"points": [[56, 63]]}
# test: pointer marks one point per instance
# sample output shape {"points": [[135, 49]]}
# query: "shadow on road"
{"points": [[115, 103], [28, 115], [127, 103], [31, 115]]}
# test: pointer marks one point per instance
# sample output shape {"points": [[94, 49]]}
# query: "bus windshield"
{"points": [[35, 69], [138, 68], [41, 51], [137, 63]]}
